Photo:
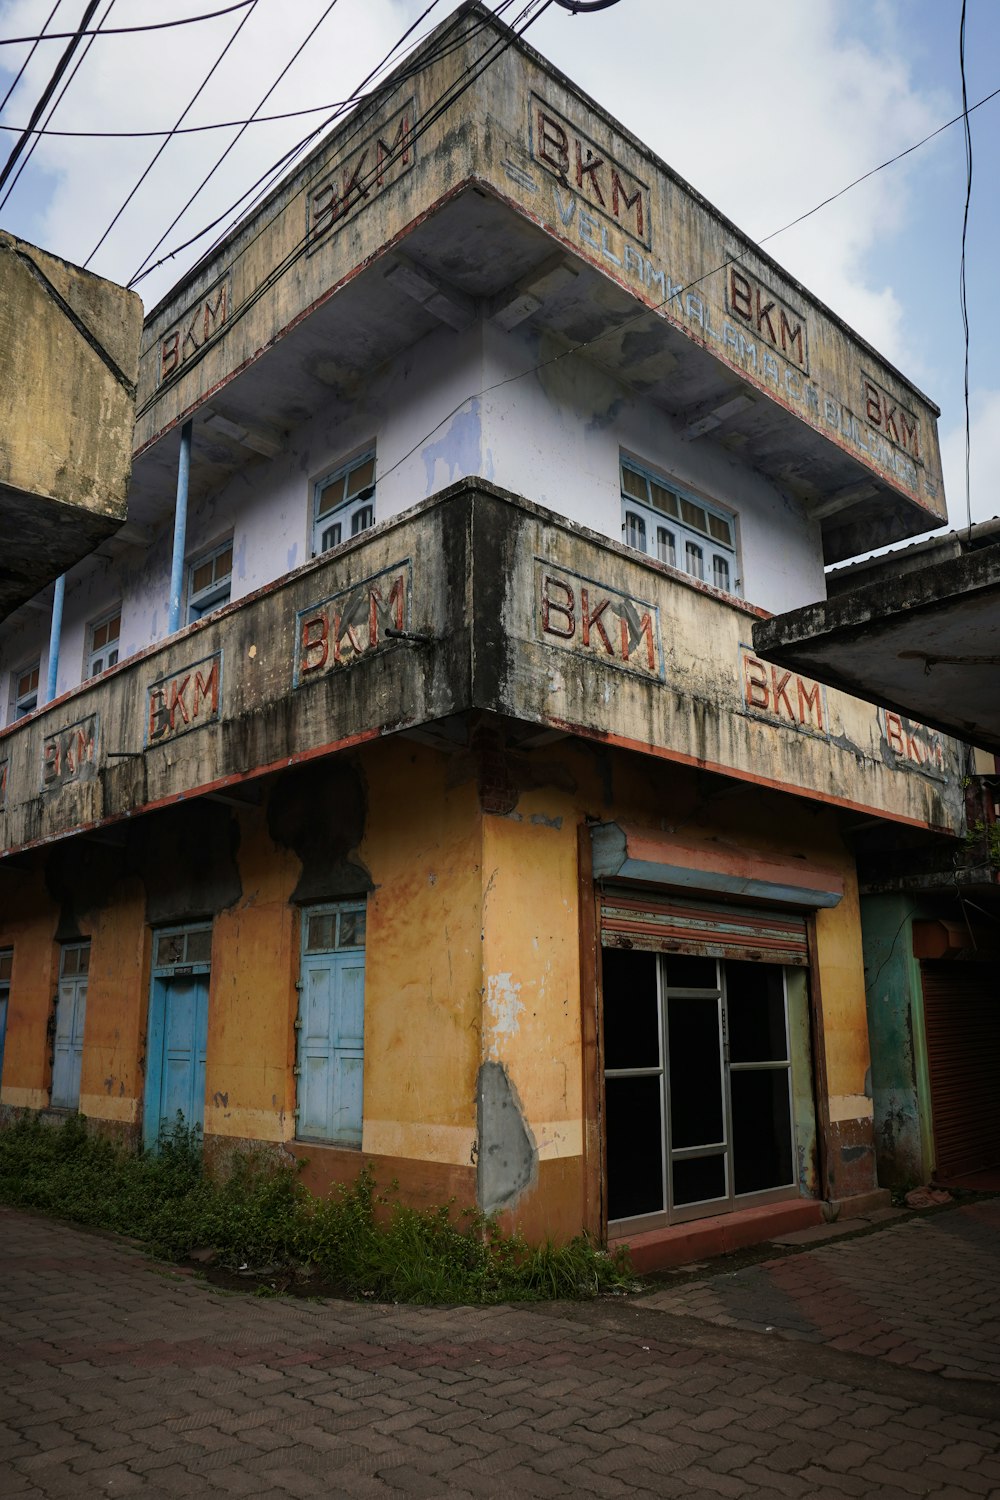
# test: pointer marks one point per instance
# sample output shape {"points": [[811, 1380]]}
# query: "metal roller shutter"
{"points": [[962, 1024], [665, 924]]}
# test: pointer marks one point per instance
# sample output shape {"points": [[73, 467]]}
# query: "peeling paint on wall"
{"points": [[504, 1006]]}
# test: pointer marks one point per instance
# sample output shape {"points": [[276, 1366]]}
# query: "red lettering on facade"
{"points": [[206, 688], [589, 168], [809, 698], [315, 647], [894, 733], [177, 702], [764, 311], [384, 153], [590, 619], [553, 144], [790, 337], [884, 413], [619, 196], [755, 676], [217, 314], [779, 692], [740, 295], [170, 354], [565, 608]]}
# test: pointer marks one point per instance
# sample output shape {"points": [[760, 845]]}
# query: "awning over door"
{"points": [[623, 852]]}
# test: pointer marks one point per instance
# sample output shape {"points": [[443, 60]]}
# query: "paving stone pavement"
{"points": [[120, 1376]]}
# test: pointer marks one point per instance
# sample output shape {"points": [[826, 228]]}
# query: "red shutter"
{"points": [[962, 1025], [668, 924]]}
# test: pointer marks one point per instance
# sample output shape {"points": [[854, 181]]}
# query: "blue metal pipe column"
{"points": [[180, 530], [54, 634]]}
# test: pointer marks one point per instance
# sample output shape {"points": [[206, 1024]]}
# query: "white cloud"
{"points": [[766, 110]]}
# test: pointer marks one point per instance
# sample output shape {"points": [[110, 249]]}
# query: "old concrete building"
{"points": [[918, 628], [413, 794]]}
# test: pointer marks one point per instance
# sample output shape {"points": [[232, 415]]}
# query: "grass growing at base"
{"points": [[358, 1240]]}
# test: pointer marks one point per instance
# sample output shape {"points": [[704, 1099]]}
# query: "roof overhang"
{"points": [[527, 204], [926, 645]]}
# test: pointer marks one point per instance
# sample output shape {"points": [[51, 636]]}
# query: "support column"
{"points": [[180, 530]]}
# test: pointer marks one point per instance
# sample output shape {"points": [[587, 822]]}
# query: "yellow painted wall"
{"points": [[249, 1087], [111, 1078], [423, 959], [27, 924], [531, 965]]}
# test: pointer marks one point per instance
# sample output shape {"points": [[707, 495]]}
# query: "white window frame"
{"points": [[203, 601], [351, 515], [20, 706], [100, 658], [672, 518]]}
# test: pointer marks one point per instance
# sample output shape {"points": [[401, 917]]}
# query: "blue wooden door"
{"points": [[331, 1027], [71, 1011], [178, 1039]]}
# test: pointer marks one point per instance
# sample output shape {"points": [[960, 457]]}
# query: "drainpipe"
{"points": [[54, 634], [180, 530]]}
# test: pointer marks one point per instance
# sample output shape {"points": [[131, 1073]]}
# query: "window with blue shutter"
{"points": [[331, 1024]]}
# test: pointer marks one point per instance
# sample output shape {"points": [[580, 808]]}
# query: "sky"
{"points": [[767, 109]]}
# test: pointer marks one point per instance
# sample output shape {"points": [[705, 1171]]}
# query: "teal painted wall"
{"points": [[899, 1085]]}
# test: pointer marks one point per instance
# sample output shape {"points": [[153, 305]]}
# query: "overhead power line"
{"points": [[211, 173], [47, 93], [55, 105], [247, 13], [963, 302], [24, 67], [440, 107], [61, 36], [357, 98]]}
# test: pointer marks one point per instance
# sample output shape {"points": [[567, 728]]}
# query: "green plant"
{"points": [[985, 834], [359, 1241]]}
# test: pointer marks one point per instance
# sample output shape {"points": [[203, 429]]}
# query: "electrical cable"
{"points": [[963, 301], [262, 186], [297, 151], [61, 36], [356, 98], [209, 175], [23, 68], [445, 102], [47, 92], [23, 164], [288, 114], [247, 13]]}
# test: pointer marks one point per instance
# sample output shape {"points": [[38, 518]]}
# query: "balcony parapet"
{"points": [[475, 600]]}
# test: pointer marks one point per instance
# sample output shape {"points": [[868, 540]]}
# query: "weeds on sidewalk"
{"points": [[359, 1241]]}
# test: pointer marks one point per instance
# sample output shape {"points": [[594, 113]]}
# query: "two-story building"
{"points": [[458, 829]]}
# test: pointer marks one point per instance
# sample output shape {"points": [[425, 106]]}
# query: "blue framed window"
{"points": [[679, 529], [343, 503], [210, 579]]}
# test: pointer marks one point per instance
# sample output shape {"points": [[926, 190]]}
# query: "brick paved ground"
{"points": [[923, 1292], [120, 1377]]}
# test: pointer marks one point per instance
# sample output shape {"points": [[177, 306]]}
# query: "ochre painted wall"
{"points": [[472, 958], [111, 1077], [27, 924]]}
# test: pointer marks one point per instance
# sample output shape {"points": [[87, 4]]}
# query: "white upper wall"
{"points": [[447, 409]]}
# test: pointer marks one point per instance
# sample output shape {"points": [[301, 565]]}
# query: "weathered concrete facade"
{"points": [[463, 837], [70, 344]]}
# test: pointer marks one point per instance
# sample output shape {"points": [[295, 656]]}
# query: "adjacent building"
{"points": [[459, 829]]}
